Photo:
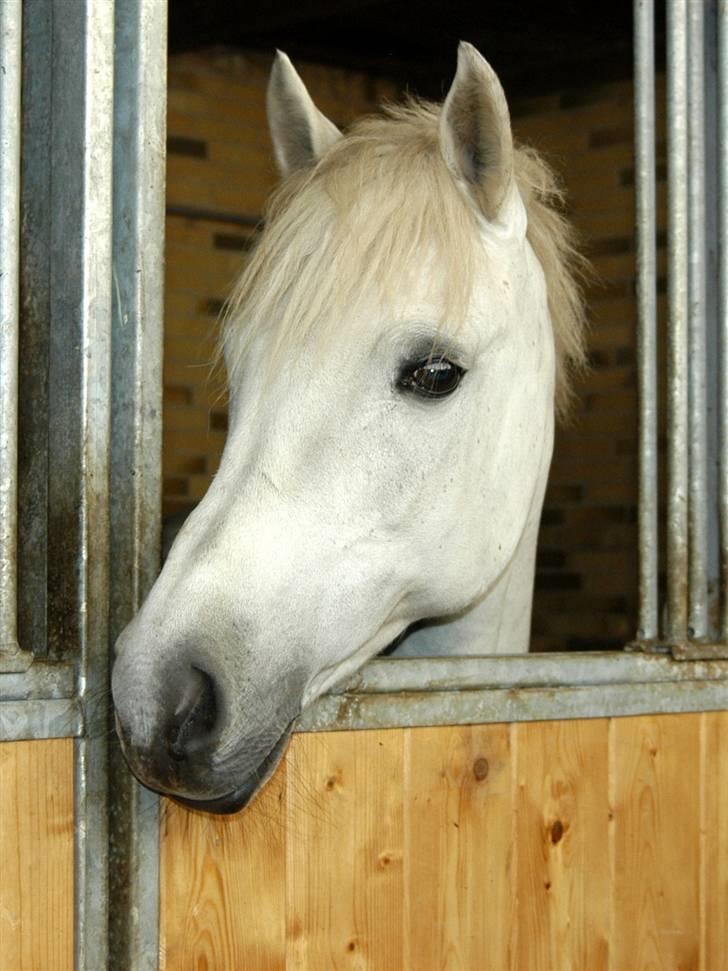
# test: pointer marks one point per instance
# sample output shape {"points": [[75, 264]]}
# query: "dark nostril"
{"points": [[194, 718]]}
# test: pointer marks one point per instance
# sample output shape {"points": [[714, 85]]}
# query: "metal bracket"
{"points": [[681, 650], [14, 659]]}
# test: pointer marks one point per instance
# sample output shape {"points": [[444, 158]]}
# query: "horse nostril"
{"points": [[194, 719]]}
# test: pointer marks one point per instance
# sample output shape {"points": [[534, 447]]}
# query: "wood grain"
{"points": [[459, 886], [714, 841], [593, 845], [561, 835], [655, 765], [345, 849], [36, 855], [223, 886]]}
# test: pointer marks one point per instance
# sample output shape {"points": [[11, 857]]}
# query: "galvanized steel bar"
{"points": [[698, 402], [41, 682], [723, 298], [644, 134], [139, 182], [418, 708], [79, 398], [394, 675], [677, 330], [10, 129], [36, 218], [712, 341], [38, 719]]}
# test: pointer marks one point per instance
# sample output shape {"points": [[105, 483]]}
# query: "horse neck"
{"points": [[499, 623]]}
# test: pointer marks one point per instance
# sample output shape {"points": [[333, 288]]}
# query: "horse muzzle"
{"points": [[177, 757], [240, 797]]}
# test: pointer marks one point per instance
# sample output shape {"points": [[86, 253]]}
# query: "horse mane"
{"points": [[365, 216]]}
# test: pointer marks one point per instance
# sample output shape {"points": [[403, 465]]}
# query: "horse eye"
{"points": [[431, 377]]}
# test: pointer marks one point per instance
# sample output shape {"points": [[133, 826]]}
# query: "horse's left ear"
{"points": [[300, 132], [475, 132]]}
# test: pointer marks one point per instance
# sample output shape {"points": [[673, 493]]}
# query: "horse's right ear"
{"points": [[300, 133]]}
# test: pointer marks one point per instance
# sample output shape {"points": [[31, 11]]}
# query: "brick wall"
{"points": [[220, 165], [586, 584]]}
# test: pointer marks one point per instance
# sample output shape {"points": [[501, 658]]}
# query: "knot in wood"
{"points": [[480, 768], [557, 831]]}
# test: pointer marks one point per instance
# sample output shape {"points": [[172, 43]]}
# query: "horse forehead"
{"points": [[503, 280]]}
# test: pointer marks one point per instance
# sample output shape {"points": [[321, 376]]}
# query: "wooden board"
{"points": [[562, 821], [458, 794], [656, 843], [36, 856], [584, 845]]}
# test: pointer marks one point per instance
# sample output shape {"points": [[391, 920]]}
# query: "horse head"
{"points": [[391, 350]]}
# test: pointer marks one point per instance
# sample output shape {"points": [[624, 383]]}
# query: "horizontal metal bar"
{"points": [[415, 709], [391, 675], [40, 682], [699, 651], [391, 691], [40, 719], [15, 660]]}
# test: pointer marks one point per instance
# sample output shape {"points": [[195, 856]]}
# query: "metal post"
{"points": [[79, 417], [677, 331], [140, 93], [723, 297], [698, 402], [35, 263], [712, 341], [644, 112], [10, 126]]}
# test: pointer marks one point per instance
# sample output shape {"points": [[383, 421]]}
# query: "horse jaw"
{"points": [[500, 621]]}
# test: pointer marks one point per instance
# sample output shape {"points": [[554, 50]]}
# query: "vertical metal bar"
{"points": [[698, 402], [79, 401], [35, 261], [677, 330], [140, 92], [723, 296], [10, 125], [712, 342], [644, 134]]}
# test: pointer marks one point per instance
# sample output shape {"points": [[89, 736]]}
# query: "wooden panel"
{"points": [[561, 840], [714, 841], [345, 850], [223, 886], [459, 889], [36, 855], [594, 844], [655, 765]]}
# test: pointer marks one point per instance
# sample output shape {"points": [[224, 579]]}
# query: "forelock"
{"points": [[362, 221]]}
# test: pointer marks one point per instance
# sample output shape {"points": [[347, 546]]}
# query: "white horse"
{"points": [[394, 349]]}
